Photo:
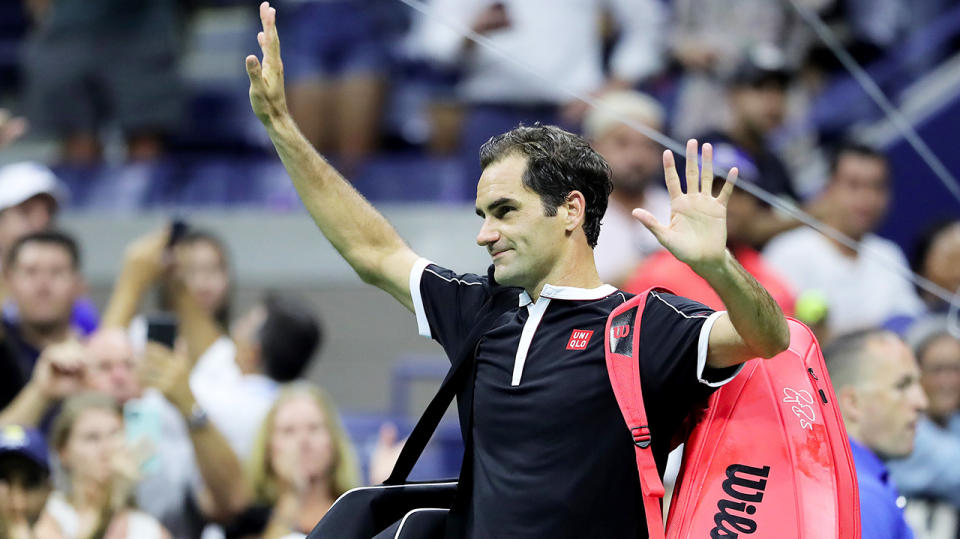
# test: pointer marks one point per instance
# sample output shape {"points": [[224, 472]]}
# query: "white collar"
{"points": [[569, 293]]}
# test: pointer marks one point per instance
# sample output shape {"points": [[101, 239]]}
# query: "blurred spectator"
{"points": [[42, 274], [191, 476], [101, 473], [877, 385], [336, 63], [563, 44], [203, 261], [859, 193], [24, 481], [936, 256], [90, 63], [301, 463], [758, 99], [637, 173], [930, 476], [30, 196], [11, 127], [234, 377], [710, 38], [663, 269]]}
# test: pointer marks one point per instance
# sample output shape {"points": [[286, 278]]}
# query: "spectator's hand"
{"points": [[266, 81], [493, 17], [125, 466], [697, 232], [168, 372], [60, 370], [146, 259], [385, 454], [11, 128]]}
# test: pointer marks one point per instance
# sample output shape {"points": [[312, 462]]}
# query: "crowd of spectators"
{"points": [[104, 432]]}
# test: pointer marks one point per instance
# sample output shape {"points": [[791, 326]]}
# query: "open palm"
{"points": [[697, 231]]}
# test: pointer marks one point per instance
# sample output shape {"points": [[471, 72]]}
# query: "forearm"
{"points": [[125, 299], [756, 317], [223, 475], [355, 228], [197, 327], [27, 408]]}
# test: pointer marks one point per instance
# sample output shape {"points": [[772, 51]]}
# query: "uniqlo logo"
{"points": [[579, 339]]}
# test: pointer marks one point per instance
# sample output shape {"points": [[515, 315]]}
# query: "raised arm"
{"points": [[754, 325], [359, 233]]}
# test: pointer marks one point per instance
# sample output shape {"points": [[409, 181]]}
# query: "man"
{"points": [[859, 187], [24, 480], [549, 455], [877, 385], [635, 169], [42, 273]]}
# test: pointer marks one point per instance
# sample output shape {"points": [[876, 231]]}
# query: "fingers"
{"points": [[727, 190], [268, 39], [706, 169], [254, 72], [670, 175], [693, 169]]}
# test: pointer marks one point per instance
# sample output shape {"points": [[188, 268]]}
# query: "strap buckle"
{"points": [[641, 436]]}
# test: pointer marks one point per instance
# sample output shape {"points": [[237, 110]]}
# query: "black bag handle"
{"points": [[493, 308]]}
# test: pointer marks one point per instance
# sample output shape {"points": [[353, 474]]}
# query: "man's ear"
{"points": [[850, 402], [574, 210]]}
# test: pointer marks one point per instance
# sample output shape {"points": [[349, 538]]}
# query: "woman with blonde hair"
{"points": [[302, 460], [100, 474]]}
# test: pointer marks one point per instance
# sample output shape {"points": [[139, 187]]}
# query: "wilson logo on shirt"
{"points": [[579, 339]]}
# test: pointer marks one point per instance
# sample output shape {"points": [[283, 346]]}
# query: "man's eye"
{"points": [[503, 211]]}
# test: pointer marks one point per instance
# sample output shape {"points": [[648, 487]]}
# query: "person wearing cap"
{"points": [[24, 480], [29, 197], [635, 170]]}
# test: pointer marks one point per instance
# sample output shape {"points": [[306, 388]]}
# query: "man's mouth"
{"points": [[497, 254]]}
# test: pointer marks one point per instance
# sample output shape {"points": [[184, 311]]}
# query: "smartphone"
{"points": [[142, 425], [178, 228], [162, 328]]}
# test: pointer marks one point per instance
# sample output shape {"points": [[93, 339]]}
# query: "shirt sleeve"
{"points": [[446, 303]]}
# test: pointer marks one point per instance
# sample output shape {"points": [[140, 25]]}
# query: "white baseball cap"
{"points": [[20, 182]]}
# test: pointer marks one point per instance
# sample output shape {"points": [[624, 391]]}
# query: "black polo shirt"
{"points": [[552, 456]]}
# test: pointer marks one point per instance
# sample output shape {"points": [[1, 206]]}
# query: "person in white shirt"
{"points": [[862, 289], [635, 167]]}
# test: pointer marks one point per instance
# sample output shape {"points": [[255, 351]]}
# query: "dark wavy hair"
{"points": [[558, 162]]}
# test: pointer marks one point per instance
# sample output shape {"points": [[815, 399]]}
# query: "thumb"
{"points": [[649, 221]]}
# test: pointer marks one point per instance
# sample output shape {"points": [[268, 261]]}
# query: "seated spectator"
{"points": [[862, 289], [878, 390], [936, 257], [203, 261], [72, 92], [42, 275], [336, 64], [301, 463], [930, 474], [234, 377], [565, 46], [24, 481], [663, 269], [192, 476], [101, 473], [636, 171], [30, 196]]}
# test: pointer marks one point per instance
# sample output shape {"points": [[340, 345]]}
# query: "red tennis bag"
{"points": [[768, 457]]}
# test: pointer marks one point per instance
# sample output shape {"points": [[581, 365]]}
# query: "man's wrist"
{"points": [[718, 271]]}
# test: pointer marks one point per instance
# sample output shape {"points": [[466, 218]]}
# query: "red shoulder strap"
{"points": [[622, 346]]}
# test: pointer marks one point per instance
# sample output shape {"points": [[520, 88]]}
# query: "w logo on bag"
{"points": [[619, 332]]}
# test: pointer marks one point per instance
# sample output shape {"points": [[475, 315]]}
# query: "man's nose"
{"points": [[487, 235], [920, 398]]}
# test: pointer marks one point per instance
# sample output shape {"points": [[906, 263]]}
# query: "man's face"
{"points": [[942, 265], [112, 368], [634, 159], [523, 242], [760, 108], [32, 215], [940, 376], [24, 488], [859, 187], [890, 398], [44, 284]]}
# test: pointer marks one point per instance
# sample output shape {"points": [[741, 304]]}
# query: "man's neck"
{"points": [[579, 272], [746, 138], [842, 248], [40, 336]]}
